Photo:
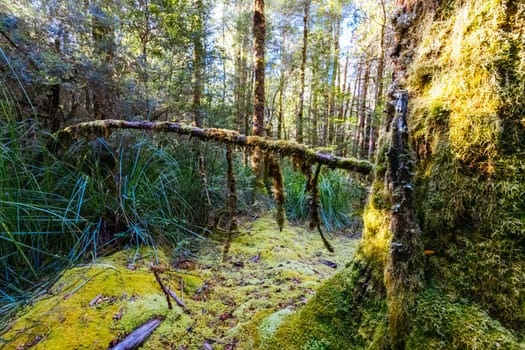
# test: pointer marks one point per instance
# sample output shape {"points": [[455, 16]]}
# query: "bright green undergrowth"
{"points": [[225, 301]]}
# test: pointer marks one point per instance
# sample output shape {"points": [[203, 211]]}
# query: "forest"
{"points": [[279, 174]]}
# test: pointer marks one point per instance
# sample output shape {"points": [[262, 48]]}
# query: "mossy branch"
{"points": [[279, 147], [277, 189], [312, 191]]}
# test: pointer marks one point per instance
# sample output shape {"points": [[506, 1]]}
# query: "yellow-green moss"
{"points": [[467, 100], [127, 296], [225, 302], [444, 323], [348, 312]]}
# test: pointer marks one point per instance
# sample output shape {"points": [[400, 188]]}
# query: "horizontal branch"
{"points": [[281, 148]]}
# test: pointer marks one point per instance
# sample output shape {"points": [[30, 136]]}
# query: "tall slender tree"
{"points": [[259, 33], [198, 62], [300, 113]]}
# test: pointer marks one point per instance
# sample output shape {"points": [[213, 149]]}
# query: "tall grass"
{"points": [[341, 198], [40, 207]]}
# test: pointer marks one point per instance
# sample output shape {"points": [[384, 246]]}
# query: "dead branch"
{"points": [[165, 289], [139, 335], [281, 148], [175, 297]]}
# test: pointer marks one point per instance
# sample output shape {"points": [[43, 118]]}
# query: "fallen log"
{"points": [[281, 148]]}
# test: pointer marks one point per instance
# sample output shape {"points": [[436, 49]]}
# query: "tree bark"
{"points": [[378, 99], [335, 81], [259, 33], [362, 112], [198, 64]]}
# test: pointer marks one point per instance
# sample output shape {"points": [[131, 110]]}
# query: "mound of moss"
{"points": [[266, 271]]}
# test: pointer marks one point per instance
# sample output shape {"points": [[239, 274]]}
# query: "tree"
{"points": [[198, 62], [259, 33], [300, 113]]}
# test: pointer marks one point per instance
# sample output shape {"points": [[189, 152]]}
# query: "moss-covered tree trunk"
{"points": [[300, 112], [259, 33]]}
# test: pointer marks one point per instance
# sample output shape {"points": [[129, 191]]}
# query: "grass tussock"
{"points": [[341, 198], [64, 206]]}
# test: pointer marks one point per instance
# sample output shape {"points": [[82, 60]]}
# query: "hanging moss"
{"points": [[231, 202], [277, 189], [314, 204]]}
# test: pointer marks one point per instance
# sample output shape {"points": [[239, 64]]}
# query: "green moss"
{"points": [[470, 181], [324, 323], [91, 305], [444, 323], [224, 301]]}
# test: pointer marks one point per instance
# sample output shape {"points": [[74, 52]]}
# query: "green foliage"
{"points": [[98, 196], [141, 192], [341, 198], [41, 201]]}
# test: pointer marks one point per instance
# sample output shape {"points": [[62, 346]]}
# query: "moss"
{"points": [[324, 323], [266, 271], [444, 323], [465, 126], [91, 305]]}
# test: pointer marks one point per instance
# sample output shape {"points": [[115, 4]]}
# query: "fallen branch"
{"points": [[175, 297], [281, 148], [139, 335], [165, 289]]}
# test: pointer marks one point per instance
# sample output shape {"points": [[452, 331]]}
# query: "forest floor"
{"points": [[227, 305]]}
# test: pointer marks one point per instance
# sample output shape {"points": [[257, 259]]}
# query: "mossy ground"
{"points": [[266, 271]]}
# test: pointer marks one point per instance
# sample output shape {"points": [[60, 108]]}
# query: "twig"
{"points": [[178, 300]]}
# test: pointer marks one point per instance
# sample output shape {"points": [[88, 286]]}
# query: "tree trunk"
{"points": [[314, 116], [357, 97], [280, 112], [104, 45], [362, 112], [300, 113], [335, 81], [378, 99], [259, 33], [198, 64]]}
